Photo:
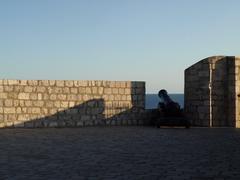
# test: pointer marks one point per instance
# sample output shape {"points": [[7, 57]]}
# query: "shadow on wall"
{"points": [[95, 112], [210, 92]]}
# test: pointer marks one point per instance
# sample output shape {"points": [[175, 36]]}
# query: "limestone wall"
{"points": [[196, 93], [66, 103], [211, 92]]}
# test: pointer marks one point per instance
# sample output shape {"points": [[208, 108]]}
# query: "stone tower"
{"points": [[212, 92]]}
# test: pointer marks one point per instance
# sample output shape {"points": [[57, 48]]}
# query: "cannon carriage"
{"points": [[169, 113]]}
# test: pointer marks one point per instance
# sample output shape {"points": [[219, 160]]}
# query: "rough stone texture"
{"points": [[125, 153], [211, 92], [66, 103]]}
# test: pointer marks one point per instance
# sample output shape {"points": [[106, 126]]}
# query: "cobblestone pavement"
{"points": [[120, 153]]}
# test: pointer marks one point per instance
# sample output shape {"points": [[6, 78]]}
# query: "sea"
{"points": [[152, 100]]}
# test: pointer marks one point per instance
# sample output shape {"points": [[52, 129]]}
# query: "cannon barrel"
{"points": [[163, 95], [167, 105]]}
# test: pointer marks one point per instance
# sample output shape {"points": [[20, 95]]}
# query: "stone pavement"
{"points": [[120, 153]]}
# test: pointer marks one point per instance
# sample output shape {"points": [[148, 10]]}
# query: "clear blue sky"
{"points": [[149, 40]]}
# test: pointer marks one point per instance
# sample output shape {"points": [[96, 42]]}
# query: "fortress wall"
{"points": [[211, 92], [68, 103]]}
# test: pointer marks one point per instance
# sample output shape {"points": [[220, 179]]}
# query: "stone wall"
{"points": [[211, 89], [66, 103]]}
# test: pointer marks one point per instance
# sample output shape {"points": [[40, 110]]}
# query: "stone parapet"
{"points": [[70, 103]]}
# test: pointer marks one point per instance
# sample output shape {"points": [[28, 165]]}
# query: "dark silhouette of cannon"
{"points": [[169, 113]]}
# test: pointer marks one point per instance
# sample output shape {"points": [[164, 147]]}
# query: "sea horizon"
{"points": [[152, 100]]}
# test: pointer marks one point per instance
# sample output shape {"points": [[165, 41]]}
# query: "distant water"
{"points": [[152, 100]]}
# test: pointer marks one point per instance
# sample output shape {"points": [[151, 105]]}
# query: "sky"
{"points": [[142, 40]]}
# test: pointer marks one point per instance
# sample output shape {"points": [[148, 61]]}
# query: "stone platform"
{"points": [[120, 153]]}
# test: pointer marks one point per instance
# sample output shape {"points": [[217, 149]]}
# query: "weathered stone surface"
{"points": [[210, 91], [9, 110], [37, 103], [3, 95], [60, 83]]}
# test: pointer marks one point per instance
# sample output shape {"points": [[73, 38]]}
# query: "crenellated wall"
{"points": [[67, 103]]}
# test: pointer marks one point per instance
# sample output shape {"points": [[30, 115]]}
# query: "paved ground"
{"points": [[120, 153]]}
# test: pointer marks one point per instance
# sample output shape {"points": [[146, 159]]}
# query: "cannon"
{"points": [[169, 113], [167, 106]]}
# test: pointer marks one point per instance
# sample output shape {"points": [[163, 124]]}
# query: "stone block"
{"points": [[112, 84], [9, 110], [85, 118], [5, 82], [28, 124], [66, 90], [18, 124], [49, 104], [41, 89], [100, 90], [18, 110], [117, 84], [8, 102], [127, 91], [46, 97], [44, 83], [74, 90], [123, 97], [24, 96], [88, 90], [59, 83], [72, 97], [44, 111], [91, 83], [52, 82], [15, 103], [82, 90], [8, 124], [121, 91], [108, 91], [12, 82], [57, 104], [35, 110], [61, 96], [94, 90], [58, 90], [39, 96], [53, 97], [38, 103], [71, 104], [86, 97], [32, 82], [8, 88], [33, 96], [80, 123], [79, 97], [115, 90], [28, 89], [76, 84], [12, 95], [83, 83], [64, 104], [1, 89], [23, 82], [69, 83], [53, 110], [99, 83], [123, 84]]}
